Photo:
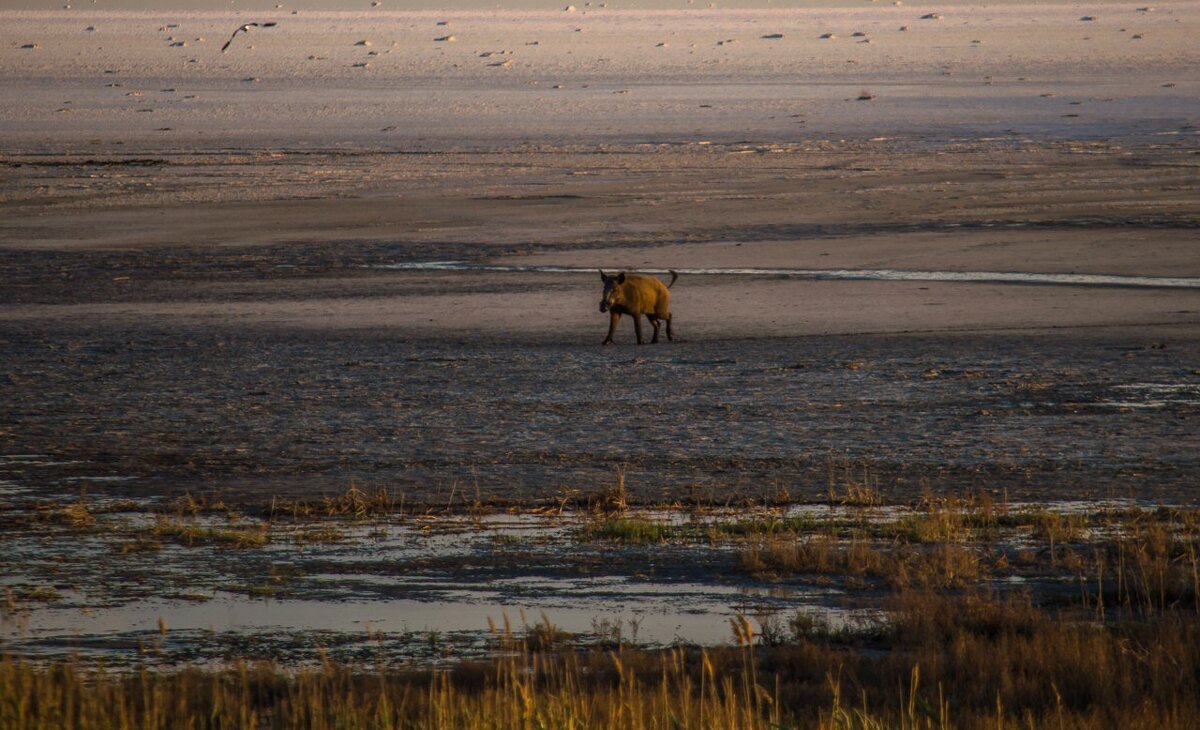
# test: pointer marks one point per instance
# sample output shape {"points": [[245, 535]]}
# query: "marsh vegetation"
{"points": [[963, 611]]}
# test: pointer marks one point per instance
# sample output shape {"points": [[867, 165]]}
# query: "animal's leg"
{"points": [[669, 336], [637, 327], [613, 318], [654, 321]]}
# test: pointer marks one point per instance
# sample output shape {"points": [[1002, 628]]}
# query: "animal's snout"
{"points": [[603, 305]]}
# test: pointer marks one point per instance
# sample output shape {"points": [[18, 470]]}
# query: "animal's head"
{"points": [[611, 292]]}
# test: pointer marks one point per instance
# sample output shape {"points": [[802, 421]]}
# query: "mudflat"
{"points": [[276, 272]]}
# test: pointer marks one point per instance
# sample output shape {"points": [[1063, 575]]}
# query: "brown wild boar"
{"points": [[636, 296]]}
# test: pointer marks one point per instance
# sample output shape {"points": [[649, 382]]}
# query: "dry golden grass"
{"points": [[1133, 561], [354, 503], [611, 499], [525, 690], [898, 565], [192, 534], [848, 488]]}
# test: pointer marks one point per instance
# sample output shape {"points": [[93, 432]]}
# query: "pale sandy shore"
{"points": [[383, 79]]}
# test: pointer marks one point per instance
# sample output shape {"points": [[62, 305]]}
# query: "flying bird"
{"points": [[245, 28]]}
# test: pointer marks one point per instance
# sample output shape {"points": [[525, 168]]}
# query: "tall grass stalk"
{"points": [[523, 690]]}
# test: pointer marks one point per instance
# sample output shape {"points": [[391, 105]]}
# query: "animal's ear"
{"points": [[621, 278], [602, 276]]}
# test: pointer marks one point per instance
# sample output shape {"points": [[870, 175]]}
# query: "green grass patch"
{"points": [[319, 535], [630, 530], [262, 590], [199, 535], [764, 526]]}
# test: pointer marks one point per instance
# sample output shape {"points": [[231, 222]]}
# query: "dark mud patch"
{"points": [[112, 162], [244, 416]]}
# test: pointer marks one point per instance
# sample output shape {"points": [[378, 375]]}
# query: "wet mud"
{"points": [[245, 416]]}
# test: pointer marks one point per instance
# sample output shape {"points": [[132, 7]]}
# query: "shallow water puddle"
{"points": [[693, 615], [18, 462], [988, 277], [1154, 395]]}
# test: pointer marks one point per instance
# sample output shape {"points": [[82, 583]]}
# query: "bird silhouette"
{"points": [[245, 28]]}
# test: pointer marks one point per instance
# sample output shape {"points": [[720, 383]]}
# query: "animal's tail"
{"points": [[674, 276]]}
